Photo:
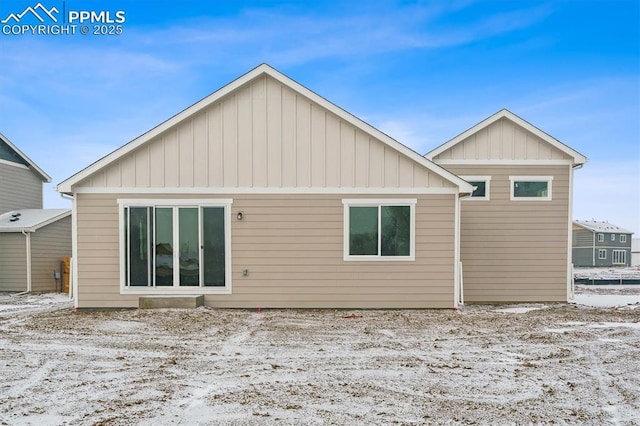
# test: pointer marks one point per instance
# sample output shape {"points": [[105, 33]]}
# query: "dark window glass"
{"points": [[396, 230], [363, 230]]}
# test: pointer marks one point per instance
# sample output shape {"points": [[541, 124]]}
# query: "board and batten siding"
{"points": [[513, 250], [502, 140], [49, 245], [13, 264], [292, 247], [20, 188], [264, 135]]}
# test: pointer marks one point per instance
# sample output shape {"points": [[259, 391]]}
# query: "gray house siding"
{"points": [[582, 256], [20, 188], [13, 264], [586, 248], [49, 245]]}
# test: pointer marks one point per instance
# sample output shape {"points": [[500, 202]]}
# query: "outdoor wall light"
{"points": [[239, 216]]}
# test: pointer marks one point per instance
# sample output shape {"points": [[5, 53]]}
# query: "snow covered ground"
{"points": [[529, 363], [607, 273]]}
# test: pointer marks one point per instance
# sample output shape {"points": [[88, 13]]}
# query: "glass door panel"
{"points": [[213, 261], [189, 246], [138, 246], [164, 246]]}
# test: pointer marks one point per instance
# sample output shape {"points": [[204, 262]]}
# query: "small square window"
{"points": [[531, 187], [623, 238], [481, 185], [613, 237], [602, 254], [601, 238]]}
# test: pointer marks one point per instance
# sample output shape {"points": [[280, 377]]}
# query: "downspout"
{"points": [[459, 291], [27, 236]]}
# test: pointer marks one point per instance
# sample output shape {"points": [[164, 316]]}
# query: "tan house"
{"points": [[265, 194], [516, 228], [33, 240]]}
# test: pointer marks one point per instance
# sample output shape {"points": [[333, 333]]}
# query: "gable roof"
{"points": [[24, 160], [601, 226], [67, 185], [577, 158], [30, 220]]}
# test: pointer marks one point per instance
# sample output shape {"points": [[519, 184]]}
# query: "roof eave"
{"points": [[32, 166], [67, 186], [577, 158]]}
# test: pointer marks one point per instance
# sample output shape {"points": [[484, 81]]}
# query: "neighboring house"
{"points": [[33, 242], [598, 243], [264, 194], [635, 252], [20, 179], [516, 226]]}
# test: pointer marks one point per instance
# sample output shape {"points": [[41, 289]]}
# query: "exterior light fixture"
{"points": [[239, 216]]}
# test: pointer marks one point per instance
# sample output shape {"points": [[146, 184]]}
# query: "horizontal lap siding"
{"points": [[20, 188], [13, 262], [292, 246], [515, 250], [49, 245]]}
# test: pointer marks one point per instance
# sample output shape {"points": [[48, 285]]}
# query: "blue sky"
{"points": [[420, 71]]}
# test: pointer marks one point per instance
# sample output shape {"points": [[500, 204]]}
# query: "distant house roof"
{"points": [[30, 220], [9, 152], [577, 158], [601, 226]]}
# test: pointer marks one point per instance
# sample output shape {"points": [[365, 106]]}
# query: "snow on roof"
{"points": [[601, 226], [30, 219]]}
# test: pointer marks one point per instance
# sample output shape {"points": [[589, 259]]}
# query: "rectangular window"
{"points": [[481, 186], [623, 238], [379, 229], [601, 238], [176, 245], [602, 253], [619, 257], [613, 237], [531, 187]]}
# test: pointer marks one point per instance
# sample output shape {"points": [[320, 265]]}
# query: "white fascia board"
{"points": [[45, 177], [505, 113], [66, 186]]}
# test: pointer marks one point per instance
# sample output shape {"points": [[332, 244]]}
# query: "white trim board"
{"points": [[255, 190], [506, 162], [11, 163]]}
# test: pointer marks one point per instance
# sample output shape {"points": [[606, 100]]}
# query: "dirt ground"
{"points": [[560, 364]]}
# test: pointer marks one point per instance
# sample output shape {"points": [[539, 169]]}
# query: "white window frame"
{"points": [[620, 256], [613, 237], [176, 203], [368, 202], [623, 238], [602, 254], [601, 238], [487, 183], [547, 179]]}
